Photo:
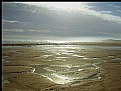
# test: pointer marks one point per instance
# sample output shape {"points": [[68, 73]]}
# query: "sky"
{"points": [[77, 21]]}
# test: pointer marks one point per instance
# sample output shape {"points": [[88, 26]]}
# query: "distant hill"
{"points": [[111, 40]]}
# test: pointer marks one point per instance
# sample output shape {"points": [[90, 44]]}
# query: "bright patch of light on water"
{"points": [[80, 69]]}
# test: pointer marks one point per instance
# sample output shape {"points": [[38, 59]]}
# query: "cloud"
{"points": [[13, 30], [110, 4], [116, 7], [118, 10], [47, 23], [18, 36], [25, 31], [112, 34], [84, 8], [101, 14], [105, 12], [9, 21]]}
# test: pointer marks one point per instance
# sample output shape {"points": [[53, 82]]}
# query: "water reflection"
{"points": [[71, 66]]}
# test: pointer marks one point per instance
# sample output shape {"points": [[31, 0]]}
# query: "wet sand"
{"points": [[26, 68]]}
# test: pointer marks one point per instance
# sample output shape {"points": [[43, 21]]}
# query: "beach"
{"points": [[61, 68]]}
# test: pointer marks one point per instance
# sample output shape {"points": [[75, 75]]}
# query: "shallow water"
{"points": [[66, 63]]}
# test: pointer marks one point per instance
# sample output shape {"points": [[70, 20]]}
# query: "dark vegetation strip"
{"points": [[77, 43]]}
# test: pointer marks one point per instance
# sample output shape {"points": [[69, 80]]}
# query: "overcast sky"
{"points": [[61, 21]]}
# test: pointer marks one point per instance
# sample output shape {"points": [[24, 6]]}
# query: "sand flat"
{"points": [[19, 63]]}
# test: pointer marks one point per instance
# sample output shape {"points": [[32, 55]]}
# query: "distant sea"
{"points": [[42, 42], [33, 41]]}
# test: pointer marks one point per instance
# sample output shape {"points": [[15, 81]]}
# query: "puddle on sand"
{"points": [[78, 56], [63, 74], [117, 59], [61, 57]]}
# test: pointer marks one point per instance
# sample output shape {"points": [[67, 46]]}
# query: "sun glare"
{"points": [[66, 6], [59, 5]]}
